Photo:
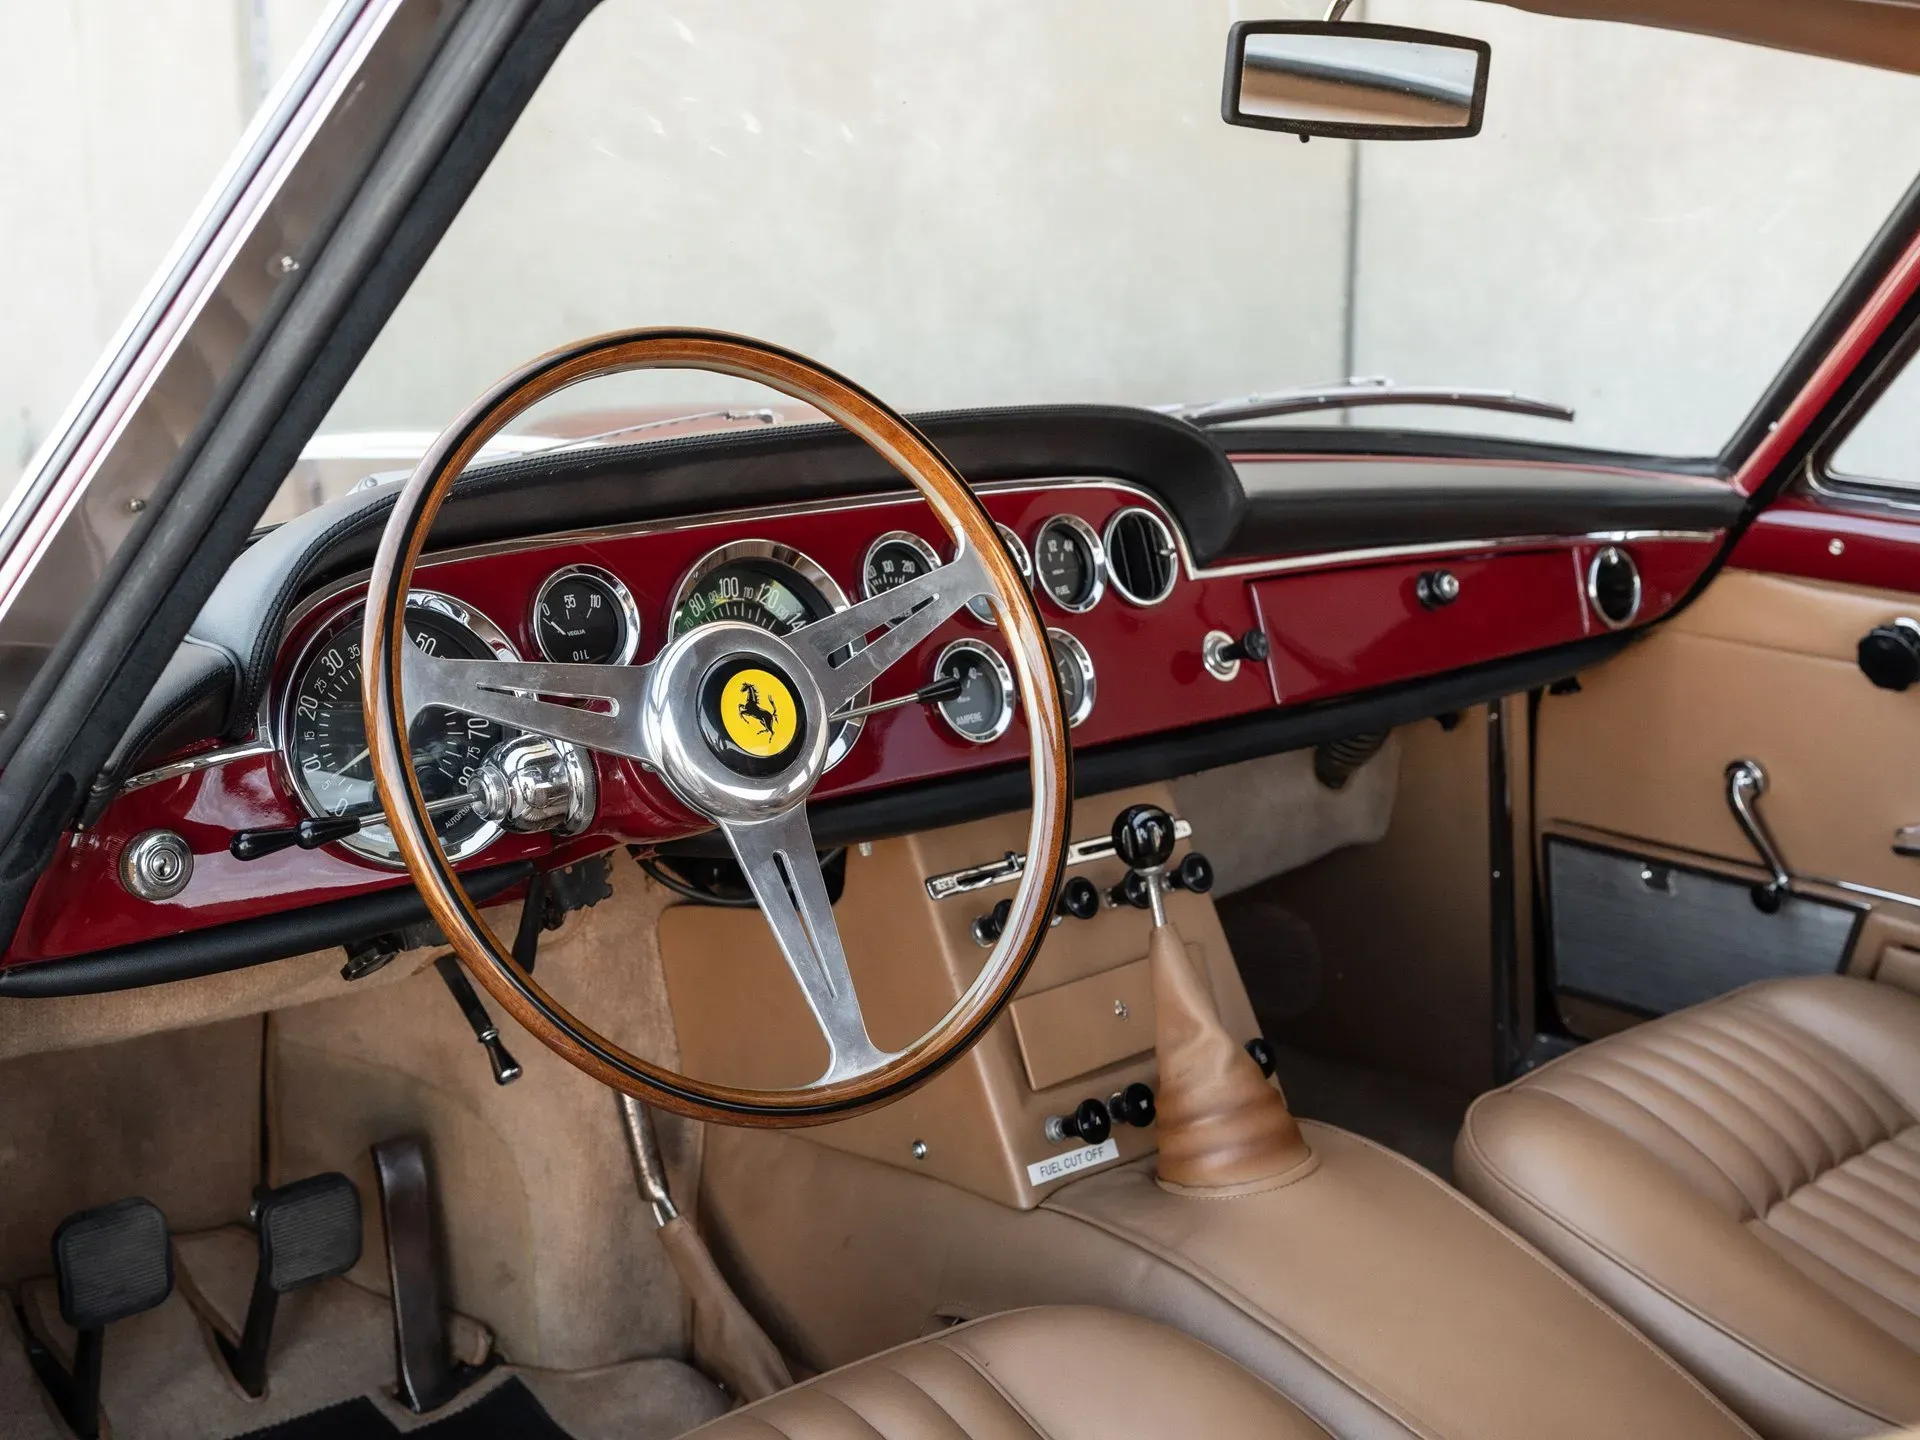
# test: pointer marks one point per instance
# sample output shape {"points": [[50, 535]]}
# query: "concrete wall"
{"points": [[995, 201]]}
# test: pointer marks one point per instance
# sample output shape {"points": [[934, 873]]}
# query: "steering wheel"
{"points": [[735, 721]]}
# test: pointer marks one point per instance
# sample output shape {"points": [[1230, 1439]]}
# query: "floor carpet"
{"points": [[1414, 1117]]}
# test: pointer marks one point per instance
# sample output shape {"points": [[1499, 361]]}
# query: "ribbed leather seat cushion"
{"points": [[1055, 1374], [1742, 1179]]}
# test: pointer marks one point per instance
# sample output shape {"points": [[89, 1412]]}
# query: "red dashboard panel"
{"points": [[1346, 625]]}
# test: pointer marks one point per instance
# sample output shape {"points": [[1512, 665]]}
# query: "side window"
{"points": [[1883, 449]]}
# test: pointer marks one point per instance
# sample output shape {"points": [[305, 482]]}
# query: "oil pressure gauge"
{"points": [[583, 615]]}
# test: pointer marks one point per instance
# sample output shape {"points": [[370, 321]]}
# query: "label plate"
{"points": [[1058, 1167]]}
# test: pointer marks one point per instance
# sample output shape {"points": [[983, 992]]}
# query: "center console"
{"points": [[1365, 1287]]}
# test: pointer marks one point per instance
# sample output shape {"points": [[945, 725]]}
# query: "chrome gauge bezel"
{"points": [[1083, 662], [845, 732], [981, 606], [624, 605], [1096, 548], [1000, 669], [912, 541], [1172, 547], [374, 843]]}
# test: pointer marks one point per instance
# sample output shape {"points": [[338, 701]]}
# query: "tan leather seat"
{"points": [[1742, 1180], [1064, 1373]]}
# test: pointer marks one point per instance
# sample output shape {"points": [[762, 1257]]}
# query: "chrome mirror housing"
{"points": [[1354, 81]]}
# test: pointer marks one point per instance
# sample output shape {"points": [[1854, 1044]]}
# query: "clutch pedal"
{"points": [[309, 1231], [109, 1263]]}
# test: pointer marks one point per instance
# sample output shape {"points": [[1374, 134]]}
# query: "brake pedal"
{"points": [[110, 1263], [309, 1231]]}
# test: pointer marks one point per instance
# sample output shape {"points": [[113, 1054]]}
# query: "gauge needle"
{"points": [[356, 759]]}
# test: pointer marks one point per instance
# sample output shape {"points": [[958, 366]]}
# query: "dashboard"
{"points": [[1150, 642]]}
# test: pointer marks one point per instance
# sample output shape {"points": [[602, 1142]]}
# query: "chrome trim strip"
{"points": [[1868, 890], [1009, 869], [1332, 559], [192, 764]]}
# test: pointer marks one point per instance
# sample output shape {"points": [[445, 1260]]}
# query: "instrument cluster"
{"points": [[586, 612]]}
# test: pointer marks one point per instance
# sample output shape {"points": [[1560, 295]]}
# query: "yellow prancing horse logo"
{"points": [[758, 712]]}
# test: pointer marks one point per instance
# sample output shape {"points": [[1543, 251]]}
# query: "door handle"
{"points": [[1746, 783]]}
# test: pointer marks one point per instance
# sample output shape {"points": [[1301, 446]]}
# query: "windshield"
{"points": [[980, 204]]}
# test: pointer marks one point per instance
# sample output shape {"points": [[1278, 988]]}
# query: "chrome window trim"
{"points": [[1175, 543], [1593, 587], [1090, 684], [624, 603], [845, 732], [973, 646], [374, 843], [1096, 560], [916, 543]]}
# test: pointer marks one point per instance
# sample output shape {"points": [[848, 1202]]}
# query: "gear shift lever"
{"points": [[1221, 1124]]}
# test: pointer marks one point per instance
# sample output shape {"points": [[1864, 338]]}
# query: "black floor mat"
{"points": [[509, 1413]]}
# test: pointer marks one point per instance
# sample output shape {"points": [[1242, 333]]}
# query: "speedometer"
{"points": [[762, 583], [324, 728]]}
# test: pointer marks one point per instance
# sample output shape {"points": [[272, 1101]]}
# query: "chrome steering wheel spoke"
{"points": [[832, 648], [515, 692], [783, 869]]}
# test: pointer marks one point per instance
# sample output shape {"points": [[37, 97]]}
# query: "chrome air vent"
{"points": [[1613, 587], [1142, 561]]}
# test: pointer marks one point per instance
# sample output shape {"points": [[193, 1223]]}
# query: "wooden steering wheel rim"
{"points": [[383, 637]]}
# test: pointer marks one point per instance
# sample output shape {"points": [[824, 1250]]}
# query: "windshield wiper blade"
{"points": [[1356, 393]]}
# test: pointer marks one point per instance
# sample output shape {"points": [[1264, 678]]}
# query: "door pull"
{"points": [[1746, 783]]}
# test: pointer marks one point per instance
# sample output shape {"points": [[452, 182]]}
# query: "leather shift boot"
{"points": [[1221, 1124]]}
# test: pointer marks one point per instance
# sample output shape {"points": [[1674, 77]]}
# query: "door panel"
{"points": [[1761, 667]]}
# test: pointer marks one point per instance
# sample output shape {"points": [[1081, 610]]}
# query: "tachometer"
{"points": [[772, 586], [324, 729]]}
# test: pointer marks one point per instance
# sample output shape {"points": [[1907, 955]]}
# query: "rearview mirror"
{"points": [[1354, 81]]}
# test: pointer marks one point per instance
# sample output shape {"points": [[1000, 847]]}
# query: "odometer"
{"points": [[324, 734]]}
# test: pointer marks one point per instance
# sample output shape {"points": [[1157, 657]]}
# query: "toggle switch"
{"points": [[1089, 1124], [1080, 898], [1133, 1106]]}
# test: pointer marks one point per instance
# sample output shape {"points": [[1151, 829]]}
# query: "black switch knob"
{"points": [[1194, 873], [1143, 836], [987, 928], [1437, 588], [1133, 1105], [1080, 898], [1890, 654], [1250, 646], [1262, 1054], [1089, 1123], [1132, 891]]}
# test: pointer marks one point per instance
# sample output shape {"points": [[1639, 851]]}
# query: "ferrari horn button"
{"points": [[752, 718]]}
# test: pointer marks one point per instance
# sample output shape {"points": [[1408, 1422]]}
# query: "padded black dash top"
{"points": [[509, 1413]]}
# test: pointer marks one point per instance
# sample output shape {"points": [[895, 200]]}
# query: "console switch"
{"points": [[1089, 1124], [1133, 1105]]}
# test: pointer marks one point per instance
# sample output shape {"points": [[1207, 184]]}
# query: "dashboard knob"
{"points": [[1133, 1106], [987, 928], [1262, 1052], [1089, 1123], [1437, 588], [1250, 646], [1132, 891], [1889, 655], [1080, 898], [1194, 873], [1143, 837]]}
